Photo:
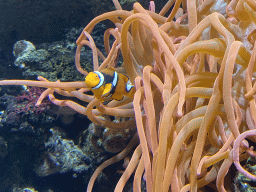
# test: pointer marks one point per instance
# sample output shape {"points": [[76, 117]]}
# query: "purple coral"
{"points": [[28, 99]]}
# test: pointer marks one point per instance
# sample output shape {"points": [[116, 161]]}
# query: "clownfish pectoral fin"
{"points": [[107, 90], [101, 99], [117, 97]]}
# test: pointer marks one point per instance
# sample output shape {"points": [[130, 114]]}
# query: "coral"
{"points": [[31, 58], [26, 189], [103, 139], [65, 114], [115, 140], [28, 98], [55, 60], [22, 47], [19, 113], [243, 183], [62, 156]]}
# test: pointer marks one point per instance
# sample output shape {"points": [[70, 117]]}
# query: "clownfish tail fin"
{"points": [[130, 90]]}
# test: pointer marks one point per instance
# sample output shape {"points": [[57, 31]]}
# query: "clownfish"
{"points": [[107, 84]]}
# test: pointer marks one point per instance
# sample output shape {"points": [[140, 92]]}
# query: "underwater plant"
{"points": [[194, 99]]}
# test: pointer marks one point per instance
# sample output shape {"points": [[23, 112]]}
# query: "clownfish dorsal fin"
{"points": [[107, 89], [108, 70], [126, 78], [111, 68]]}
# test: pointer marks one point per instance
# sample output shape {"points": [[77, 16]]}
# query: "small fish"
{"points": [[107, 84]]}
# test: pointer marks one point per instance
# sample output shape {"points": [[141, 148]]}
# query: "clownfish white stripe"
{"points": [[101, 77], [114, 83]]}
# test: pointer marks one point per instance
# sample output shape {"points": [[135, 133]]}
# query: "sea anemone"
{"points": [[194, 106]]}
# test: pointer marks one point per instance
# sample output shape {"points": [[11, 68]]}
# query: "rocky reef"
{"points": [[49, 143], [37, 144]]}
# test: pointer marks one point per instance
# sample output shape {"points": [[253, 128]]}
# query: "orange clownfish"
{"points": [[107, 84]]}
